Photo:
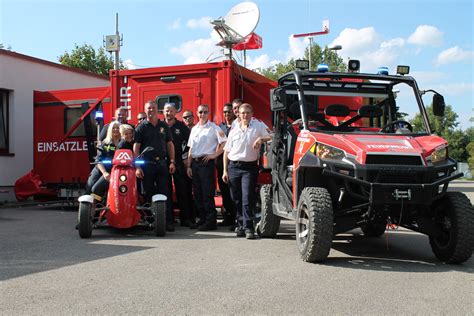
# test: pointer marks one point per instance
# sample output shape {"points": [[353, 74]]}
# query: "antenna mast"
{"points": [[310, 35], [112, 44]]}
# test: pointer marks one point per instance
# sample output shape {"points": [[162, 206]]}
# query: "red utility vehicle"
{"points": [[122, 209], [65, 129], [344, 156]]}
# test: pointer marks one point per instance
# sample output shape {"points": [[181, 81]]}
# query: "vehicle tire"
{"points": [[454, 216], [314, 224], [269, 222], [84, 218], [374, 228], [159, 212]]}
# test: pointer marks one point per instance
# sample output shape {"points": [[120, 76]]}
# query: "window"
{"points": [[161, 100], [71, 115], [4, 98]]}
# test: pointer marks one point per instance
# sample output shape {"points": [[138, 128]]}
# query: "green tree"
{"points": [[85, 57], [470, 160], [318, 55], [447, 127], [2, 46]]}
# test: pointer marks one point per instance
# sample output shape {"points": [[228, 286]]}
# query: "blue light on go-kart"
{"points": [[106, 162], [382, 71], [139, 162], [99, 115], [322, 68]]}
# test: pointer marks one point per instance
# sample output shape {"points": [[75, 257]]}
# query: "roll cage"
{"points": [[296, 87]]}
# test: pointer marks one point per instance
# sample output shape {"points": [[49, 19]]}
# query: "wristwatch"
{"points": [[172, 161]]}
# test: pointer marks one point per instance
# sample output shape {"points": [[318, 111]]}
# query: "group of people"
{"points": [[187, 155]]}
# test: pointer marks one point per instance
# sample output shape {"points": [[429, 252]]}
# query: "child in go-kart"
{"points": [[126, 132]]}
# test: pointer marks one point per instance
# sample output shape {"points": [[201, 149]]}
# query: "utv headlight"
{"points": [[439, 155], [327, 152]]}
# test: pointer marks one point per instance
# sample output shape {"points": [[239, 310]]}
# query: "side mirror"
{"points": [[438, 104], [278, 99]]}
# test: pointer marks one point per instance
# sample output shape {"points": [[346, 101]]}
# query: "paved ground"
{"points": [[45, 268]]}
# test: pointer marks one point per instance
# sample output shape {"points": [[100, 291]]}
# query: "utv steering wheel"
{"points": [[393, 126]]}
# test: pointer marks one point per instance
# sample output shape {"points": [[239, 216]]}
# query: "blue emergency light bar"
{"points": [[322, 68], [106, 162], [382, 71], [99, 115], [139, 162]]}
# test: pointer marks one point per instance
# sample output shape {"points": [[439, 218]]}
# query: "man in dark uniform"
{"points": [[180, 140], [229, 211], [121, 115], [156, 133]]}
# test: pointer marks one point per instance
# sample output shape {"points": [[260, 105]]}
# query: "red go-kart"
{"points": [[122, 209]]}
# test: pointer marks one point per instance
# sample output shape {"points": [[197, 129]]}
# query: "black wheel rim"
{"points": [[444, 224]]}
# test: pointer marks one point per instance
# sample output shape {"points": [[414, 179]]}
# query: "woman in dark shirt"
{"points": [[106, 152]]}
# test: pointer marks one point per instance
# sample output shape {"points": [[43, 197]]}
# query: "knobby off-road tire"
{"points": [[375, 228], [455, 217], [314, 224], [269, 222], [158, 210], [84, 217]]}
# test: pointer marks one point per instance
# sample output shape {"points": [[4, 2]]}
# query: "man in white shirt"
{"points": [[206, 143], [241, 167]]}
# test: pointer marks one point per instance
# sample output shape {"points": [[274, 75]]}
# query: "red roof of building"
{"points": [[49, 63]]}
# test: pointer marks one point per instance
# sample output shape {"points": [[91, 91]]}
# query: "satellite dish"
{"points": [[243, 18], [237, 24]]}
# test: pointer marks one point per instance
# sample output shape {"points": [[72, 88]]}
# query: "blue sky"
{"points": [[434, 37]]}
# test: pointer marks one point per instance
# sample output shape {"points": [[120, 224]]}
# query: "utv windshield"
{"points": [[355, 102]]}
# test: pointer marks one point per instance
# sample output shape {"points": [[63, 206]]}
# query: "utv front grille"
{"points": [[393, 160], [396, 176]]}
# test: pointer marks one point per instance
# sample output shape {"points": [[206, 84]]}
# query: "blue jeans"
{"points": [[242, 182]]}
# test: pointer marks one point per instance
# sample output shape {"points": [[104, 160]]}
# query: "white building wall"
{"points": [[22, 77]]}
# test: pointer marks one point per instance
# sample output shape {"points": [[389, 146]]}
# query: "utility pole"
{"points": [[310, 35], [117, 52]]}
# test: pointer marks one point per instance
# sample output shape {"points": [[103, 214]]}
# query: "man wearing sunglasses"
{"points": [[206, 143], [141, 117], [229, 211], [188, 119]]}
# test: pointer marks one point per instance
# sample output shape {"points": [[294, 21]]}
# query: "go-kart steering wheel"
{"points": [[393, 126]]}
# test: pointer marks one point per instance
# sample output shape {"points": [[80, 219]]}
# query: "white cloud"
{"points": [[369, 47], [129, 64], [199, 50], [453, 55], [176, 24], [296, 47], [428, 77], [426, 35], [357, 41], [261, 61], [203, 23], [454, 89]]}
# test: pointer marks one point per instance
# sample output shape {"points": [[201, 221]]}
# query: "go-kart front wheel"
{"points": [[85, 220], [158, 209]]}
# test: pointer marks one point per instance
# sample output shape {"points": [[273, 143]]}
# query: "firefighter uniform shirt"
{"points": [[180, 139], [240, 142], [204, 139], [155, 136]]}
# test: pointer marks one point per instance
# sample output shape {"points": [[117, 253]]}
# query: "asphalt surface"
{"points": [[45, 268]]}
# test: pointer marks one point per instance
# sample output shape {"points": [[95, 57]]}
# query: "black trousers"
{"points": [[204, 190], [93, 178], [179, 178], [229, 214], [100, 188], [243, 181], [155, 181]]}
